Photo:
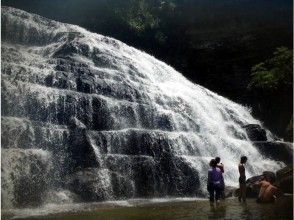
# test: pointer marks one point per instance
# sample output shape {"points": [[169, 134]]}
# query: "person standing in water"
{"points": [[242, 179], [214, 182], [221, 167]]}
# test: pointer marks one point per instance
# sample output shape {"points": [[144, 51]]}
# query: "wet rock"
{"points": [[285, 179], [284, 206], [230, 191], [251, 189], [74, 123], [25, 179], [123, 187], [276, 150], [270, 176], [80, 148], [16, 133], [90, 184], [255, 132]]}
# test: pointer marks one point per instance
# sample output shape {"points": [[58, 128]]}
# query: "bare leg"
{"points": [[243, 190], [240, 192]]}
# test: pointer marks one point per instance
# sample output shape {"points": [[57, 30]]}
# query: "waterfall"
{"points": [[91, 118]]}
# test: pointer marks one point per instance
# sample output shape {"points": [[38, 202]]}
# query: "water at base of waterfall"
{"points": [[155, 209]]}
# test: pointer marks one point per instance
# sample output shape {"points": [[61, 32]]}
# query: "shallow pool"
{"points": [[154, 209]]}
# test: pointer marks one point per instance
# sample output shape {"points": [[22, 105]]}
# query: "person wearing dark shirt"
{"points": [[221, 167], [242, 179], [214, 182]]}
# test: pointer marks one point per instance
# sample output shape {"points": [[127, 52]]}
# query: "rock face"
{"points": [[255, 132], [90, 184], [24, 176], [285, 179], [277, 150], [116, 122]]}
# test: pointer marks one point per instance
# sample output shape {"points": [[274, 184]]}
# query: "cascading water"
{"points": [[86, 117]]}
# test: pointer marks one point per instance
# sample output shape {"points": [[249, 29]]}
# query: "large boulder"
{"points": [[270, 176], [276, 150], [285, 179], [255, 132], [251, 189]]}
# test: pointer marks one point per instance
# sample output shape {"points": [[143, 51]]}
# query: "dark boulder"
{"points": [[270, 176], [276, 150], [255, 132], [81, 150], [284, 206], [285, 179], [251, 189]]}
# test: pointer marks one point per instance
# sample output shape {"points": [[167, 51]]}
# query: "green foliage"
{"points": [[146, 18], [139, 14], [274, 73]]}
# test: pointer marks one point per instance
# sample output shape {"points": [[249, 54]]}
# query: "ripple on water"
{"points": [[155, 209]]}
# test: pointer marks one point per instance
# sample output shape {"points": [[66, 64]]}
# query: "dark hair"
{"points": [[243, 159], [212, 163], [217, 159]]}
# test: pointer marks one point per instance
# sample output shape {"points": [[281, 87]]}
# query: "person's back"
{"points": [[214, 182], [215, 175], [267, 190], [270, 193], [221, 167]]}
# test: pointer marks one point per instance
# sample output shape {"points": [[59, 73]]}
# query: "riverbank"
{"points": [[155, 209]]}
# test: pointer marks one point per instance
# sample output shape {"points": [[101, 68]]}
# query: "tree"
{"points": [[274, 73]]}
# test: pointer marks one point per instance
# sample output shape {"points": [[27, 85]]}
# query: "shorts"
{"points": [[242, 179]]}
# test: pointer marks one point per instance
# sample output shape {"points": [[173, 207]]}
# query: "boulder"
{"points": [[284, 206], [251, 189], [285, 179], [255, 132], [276, 150], [270, 176], [90, 184]]}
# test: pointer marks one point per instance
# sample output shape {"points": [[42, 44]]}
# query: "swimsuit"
{"points": [[242, 179]]}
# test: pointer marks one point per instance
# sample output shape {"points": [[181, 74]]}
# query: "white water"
{"points": [[138, 95]]}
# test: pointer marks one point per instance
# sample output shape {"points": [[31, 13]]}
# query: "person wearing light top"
{"points": [[214, 182]]}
